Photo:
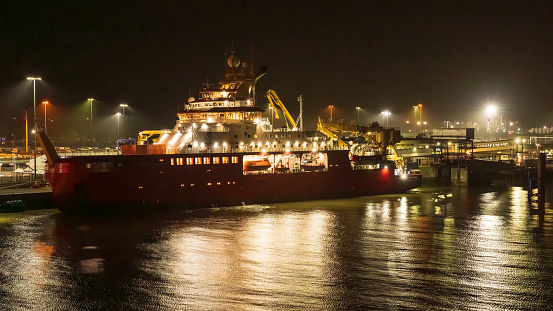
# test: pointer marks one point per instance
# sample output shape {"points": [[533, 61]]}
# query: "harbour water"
{"points": [[434, 248]]}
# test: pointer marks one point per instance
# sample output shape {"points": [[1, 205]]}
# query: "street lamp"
{"points": [[91, 128], [491, 111], [420, 114], [522, 150], [34, 114], [123, 106], [45, 119], [118, 116], [386, 114], [358, 108], [331, 106]]}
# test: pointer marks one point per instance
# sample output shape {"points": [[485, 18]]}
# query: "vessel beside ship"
{"points": [[221, 152]]}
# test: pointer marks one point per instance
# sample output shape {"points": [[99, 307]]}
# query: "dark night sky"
{"points": [[452, 56]]}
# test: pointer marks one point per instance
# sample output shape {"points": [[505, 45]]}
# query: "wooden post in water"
{"points": [[541, 182]]}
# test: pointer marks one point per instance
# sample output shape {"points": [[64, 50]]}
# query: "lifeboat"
{"points": [[364, 160], [256, 165], [312, 166], [280, 167]]}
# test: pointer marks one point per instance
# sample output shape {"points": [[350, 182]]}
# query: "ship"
{"points": [[221, 152]]}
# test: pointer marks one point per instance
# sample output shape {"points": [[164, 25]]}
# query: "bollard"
{"points": [[541, 181]]}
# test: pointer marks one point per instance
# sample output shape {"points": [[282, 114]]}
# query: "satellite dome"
{"points": [[233, 61], [191, 99]]}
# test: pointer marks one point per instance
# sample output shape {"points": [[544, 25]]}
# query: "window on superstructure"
{"points": [[225, 160], [206, 160], [172, 161], [234, 159], [198, 160], [189, 161], [215, 160]]}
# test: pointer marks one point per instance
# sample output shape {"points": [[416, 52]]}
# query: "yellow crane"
{"points": [[275, 101], [144, 135]]}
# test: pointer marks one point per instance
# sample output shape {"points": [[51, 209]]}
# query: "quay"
{"points": [[17, 198]]}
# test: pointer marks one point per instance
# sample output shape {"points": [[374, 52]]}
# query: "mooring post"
{"points": [[541, 182]]}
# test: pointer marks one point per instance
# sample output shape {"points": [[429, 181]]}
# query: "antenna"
{"points": [[207, 85]]}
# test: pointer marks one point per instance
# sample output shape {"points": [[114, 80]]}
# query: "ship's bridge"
{"points": [[221, 115]]}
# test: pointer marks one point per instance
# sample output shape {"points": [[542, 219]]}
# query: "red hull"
{"points": [[108, 182]]}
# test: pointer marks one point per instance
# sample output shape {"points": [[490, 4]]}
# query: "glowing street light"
{"points": [[331, 106], [123, 106], [491, 109], [118, 116], [45, 119], [491, 112], [34, 114], [386, 114], [358, 108], [91, 128]]}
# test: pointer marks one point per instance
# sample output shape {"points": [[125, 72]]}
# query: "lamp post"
{"points": [[420, 115], [522, 151], [386, 114], [34, 116], [91, 128], [358, 108], [415, 123], [517, 141], [123, 106], [118, 116], [45, 118], [331, 106], [491, 111]]}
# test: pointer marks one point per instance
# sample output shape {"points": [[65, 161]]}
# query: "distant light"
{"points": [[491, 109], [118, 114]]}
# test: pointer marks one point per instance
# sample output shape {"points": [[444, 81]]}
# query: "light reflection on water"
{"points": [[437, 249]]}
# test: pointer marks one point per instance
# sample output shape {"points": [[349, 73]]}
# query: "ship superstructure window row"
{"points": [[203, 160]]}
